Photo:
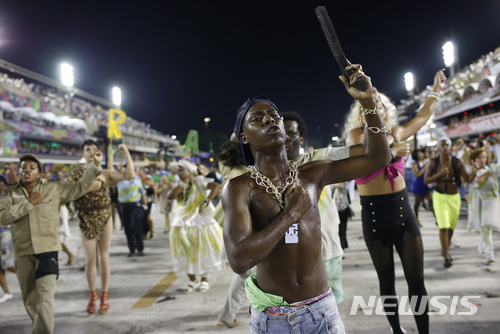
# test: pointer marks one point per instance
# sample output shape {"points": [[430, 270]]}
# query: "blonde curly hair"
{"points": [[355, 119]]}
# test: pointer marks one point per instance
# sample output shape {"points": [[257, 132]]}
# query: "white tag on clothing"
{"points": [[292, 236]]}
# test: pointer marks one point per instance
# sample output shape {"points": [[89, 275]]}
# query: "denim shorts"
{"points": [[319, 317]]}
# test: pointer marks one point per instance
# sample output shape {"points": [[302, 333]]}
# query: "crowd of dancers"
{"points": [[278, 216]]}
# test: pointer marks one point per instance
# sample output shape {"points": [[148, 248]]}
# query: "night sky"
{"points": [[179, 61]]}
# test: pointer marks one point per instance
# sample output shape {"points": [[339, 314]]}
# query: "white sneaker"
{"points": [[192, 286], [5, 297], [489, 260], [204, 286], [402, 329]]}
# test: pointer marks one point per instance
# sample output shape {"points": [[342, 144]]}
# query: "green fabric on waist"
{"points": [[258, 298]]}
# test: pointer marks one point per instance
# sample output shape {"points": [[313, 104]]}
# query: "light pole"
{"points": [[450, 56], [207, 120], [410, 84]]}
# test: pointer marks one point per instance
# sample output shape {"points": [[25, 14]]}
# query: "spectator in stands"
{"points": [[31, 208]]}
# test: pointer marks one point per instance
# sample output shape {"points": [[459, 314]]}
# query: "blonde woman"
{"points": [[387, 216]]}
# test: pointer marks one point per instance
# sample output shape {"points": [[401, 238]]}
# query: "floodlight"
{"points": [[117, 95], [449, 54], [67, 77], [409, 82]]}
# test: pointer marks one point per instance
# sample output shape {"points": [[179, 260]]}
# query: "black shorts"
{"points": [[387, 217]]}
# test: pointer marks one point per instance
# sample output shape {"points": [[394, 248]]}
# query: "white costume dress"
{"points": [[195, 239], [489, 208]]}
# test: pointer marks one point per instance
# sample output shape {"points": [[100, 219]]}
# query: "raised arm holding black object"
{"points": [[272, 219]]}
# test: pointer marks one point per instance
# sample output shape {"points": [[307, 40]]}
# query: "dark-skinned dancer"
{"points": [[278, 230], [447, 172]]}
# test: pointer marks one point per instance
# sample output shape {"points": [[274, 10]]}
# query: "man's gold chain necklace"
{"points": [[264, 181]]}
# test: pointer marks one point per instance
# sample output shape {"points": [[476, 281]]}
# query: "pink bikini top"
{"points": [[391, 172]]}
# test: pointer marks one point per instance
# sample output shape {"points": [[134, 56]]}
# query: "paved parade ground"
{"points": [[145, 297]]}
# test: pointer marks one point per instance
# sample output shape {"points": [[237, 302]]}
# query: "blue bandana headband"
{"points": [[240, 116]]}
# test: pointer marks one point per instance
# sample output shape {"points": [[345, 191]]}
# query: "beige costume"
{"points": [[35, 235]]}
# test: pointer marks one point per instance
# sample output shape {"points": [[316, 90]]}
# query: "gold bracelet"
{"points": [[367, 111]]}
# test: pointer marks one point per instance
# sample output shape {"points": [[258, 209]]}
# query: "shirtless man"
{"points": [[446, 171], [272, 219]]}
